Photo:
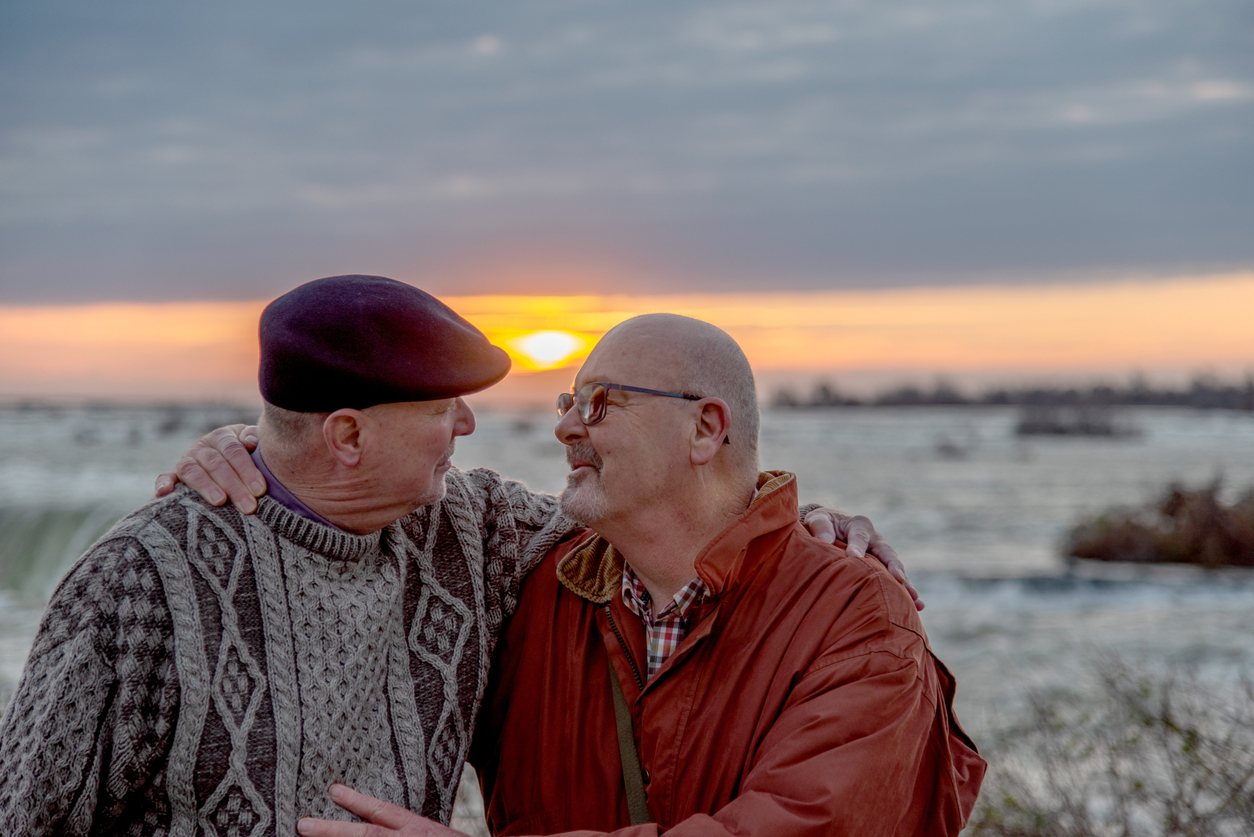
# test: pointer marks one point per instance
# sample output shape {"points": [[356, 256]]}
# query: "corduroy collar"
{"points": [[594, 570]]}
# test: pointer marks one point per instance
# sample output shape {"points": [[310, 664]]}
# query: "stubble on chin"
{"points": [[438, 488], [437, 492], [583, 500]]}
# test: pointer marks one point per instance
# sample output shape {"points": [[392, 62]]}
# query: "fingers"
{"points": [[233, 447], [860, 539], [219, 466], [310, 827], [821, 525], [188, 471], [887, 556], [858, 534], [370, 809], [383, 819], [165, 483]]}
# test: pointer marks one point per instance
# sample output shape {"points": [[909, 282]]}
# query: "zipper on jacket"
{"points": [[630, 660]]}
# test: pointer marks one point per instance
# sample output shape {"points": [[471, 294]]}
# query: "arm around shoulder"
{"points": [[520, 525]]}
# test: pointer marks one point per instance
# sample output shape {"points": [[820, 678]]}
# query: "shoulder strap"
{"points": [[632, 779]]}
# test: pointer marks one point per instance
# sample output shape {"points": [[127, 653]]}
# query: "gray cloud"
{"points": [[152, 150]]}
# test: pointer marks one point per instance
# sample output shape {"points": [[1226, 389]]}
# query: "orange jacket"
{"points": [[803, 701]]}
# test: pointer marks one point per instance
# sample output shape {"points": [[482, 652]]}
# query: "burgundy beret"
{"points": [[357, 341]]}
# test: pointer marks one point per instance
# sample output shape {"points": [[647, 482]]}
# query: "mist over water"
{"points": [[976, 512]]}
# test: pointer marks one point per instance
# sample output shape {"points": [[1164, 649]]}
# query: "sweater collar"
{"points": [[594, 569], [279, 492], [328, 541]]}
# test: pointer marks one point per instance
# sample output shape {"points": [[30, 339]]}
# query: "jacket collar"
{"points": [[594, 569]]}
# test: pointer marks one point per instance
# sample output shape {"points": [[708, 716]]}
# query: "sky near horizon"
{"points": [[969, 335], [853, 186]]}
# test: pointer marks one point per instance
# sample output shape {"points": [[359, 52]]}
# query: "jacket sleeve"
{"points": [[844, 756], [92, 716]]}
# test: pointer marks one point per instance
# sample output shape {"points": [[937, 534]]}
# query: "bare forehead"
{"points": [[639, 354]]}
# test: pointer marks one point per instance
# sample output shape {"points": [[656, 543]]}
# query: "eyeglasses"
{"points": [[592, 399]]}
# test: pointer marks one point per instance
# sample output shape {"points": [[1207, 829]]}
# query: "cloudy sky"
{"points": [[226, 150]]}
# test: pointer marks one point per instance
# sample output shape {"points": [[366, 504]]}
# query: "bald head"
{"points": [[696, 358]]}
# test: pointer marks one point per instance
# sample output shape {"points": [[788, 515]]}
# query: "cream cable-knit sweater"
{"points": [[204, 672]]}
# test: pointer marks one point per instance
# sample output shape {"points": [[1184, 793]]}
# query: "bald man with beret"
{"points": [[204, 671], [200, 671]]}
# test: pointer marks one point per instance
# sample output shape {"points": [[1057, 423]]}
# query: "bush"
{"points": [[1184, 527], [1143, 756]]}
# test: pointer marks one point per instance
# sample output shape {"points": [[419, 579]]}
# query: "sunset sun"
{"points": [[540, 350]]}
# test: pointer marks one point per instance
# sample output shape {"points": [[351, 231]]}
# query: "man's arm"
{"points": [[518, 522], [94, 711], [218, 467]]}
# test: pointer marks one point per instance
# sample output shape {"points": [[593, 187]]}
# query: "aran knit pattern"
{"points": [[202, 672]]}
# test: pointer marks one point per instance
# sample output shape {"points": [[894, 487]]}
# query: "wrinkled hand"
{"points": [[382, 819], [830, 525], [218, 466]]}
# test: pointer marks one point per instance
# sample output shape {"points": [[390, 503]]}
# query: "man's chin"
{"points": [[434, 494], [581, 503]]}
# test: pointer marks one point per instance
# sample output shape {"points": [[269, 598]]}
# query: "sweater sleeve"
{"points": [[90, 723], [519, 528]]}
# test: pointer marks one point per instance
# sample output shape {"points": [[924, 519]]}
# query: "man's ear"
{"points": [[711, 430], [344, 432]]}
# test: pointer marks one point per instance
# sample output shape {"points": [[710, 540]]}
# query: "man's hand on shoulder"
{"points": [[219, 467], [383, 819], [860, 537]]}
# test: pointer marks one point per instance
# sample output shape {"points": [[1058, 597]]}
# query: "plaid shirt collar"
{"points": [[667, 629]]}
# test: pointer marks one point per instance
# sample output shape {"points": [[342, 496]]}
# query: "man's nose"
{"points": [[569, 428], [465, 424]]}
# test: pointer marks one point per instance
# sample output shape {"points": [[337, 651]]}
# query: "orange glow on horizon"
{"points": [[1143, 325], [183, 349], [547, 349], [187, 350]]}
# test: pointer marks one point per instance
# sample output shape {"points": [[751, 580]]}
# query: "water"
{"points": [[65, 475], [976, 513]]}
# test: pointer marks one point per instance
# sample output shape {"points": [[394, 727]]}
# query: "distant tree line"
{"points": [[1202, 393]]}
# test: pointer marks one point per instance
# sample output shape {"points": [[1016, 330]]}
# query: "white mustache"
{"points": [[584, 452]]}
